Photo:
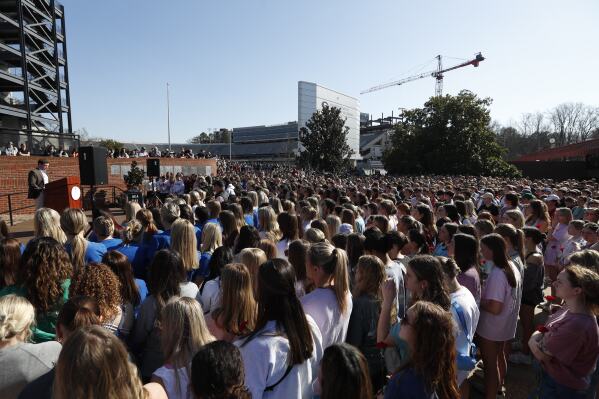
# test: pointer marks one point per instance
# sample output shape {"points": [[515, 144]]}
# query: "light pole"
{"points": [[168, 116]]}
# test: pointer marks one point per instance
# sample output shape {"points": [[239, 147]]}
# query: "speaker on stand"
{"points": [[93, 171]]}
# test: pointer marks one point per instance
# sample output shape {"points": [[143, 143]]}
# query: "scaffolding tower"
{"points": [[35, 106]]}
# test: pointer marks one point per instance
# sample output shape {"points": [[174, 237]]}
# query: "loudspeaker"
{"points": [[92, 166], [153, 167]]}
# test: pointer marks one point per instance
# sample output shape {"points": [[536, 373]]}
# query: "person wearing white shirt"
{"points": [[330, 303], [273, 368], [178, 187], [465, 313], [10, 150]]}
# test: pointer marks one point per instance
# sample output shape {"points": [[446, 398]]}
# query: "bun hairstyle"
{"points": [[79, 312], [333, 262], [588, 281], [133, 231], [16, 317], [534, 234]]}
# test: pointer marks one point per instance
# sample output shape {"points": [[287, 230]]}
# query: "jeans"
{"points": [[550, 389]]}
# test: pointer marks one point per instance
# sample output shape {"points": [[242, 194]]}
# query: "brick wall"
{"points": [[14, 170]]}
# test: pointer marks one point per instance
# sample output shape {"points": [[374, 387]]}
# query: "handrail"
{"points": [[12, 210]]}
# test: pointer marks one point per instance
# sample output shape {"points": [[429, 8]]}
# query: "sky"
{"points": [[233, 63]]}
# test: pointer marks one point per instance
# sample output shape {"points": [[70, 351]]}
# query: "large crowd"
{"points": [[269, 281]]}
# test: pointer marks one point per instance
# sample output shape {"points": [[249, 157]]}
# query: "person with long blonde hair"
{"points": [[252, 258], [184, 332], [131, 209], [212, 238], [330, 304], [268, 225], [183, 241], [46, 223], [237, 311], [103, 369], [82, 251]]}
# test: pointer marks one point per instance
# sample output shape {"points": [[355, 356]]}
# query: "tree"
{"points": [[202, 138], [110, 144], [449, 135], [324, 141]]}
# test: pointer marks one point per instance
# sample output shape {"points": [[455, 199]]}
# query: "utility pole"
{"points": [[168, 116]]}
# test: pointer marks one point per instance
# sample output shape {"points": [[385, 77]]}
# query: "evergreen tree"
{"points": [[324, 141]]}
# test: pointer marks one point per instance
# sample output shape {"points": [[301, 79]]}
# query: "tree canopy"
{"points": [[324, 141], [449, 135]]}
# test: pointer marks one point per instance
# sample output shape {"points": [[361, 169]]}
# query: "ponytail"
{"points": [[334, 262], [78, 248], [73, 222]]}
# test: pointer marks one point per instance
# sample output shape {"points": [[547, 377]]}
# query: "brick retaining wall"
{"points": [[14, 170]]}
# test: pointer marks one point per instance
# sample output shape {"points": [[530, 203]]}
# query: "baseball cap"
{"points": [[552, 197]]}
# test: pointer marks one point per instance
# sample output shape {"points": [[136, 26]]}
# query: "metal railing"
{"points": [[10, 209], [116, 198]]}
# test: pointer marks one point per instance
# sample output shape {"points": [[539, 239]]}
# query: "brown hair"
{"points": [[78, 312], [238, 309], [99, 282], [269, 248], [94, 364], [373, 274], [345, 373], [45, 265], [588, 281], [10, 256], [120, 266], [434, 356]]}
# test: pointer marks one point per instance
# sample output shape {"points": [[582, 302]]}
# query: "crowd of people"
{"points": [[277, 282], [156, 153]]}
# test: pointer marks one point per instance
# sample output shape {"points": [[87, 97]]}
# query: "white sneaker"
{"points": [[520, 358]]}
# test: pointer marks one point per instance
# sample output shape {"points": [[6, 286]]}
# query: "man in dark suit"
{"points": [[37, 179]]}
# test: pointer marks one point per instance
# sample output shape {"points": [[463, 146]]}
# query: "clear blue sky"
{"points": [[237, 62]]}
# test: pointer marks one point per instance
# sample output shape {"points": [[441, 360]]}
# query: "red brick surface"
{"points": [[14, 170]]}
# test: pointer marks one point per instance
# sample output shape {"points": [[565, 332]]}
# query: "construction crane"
{"points": [[437, 74]]}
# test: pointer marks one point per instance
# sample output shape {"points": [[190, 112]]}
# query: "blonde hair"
{"points": [[169, 212], [212, 237], [103, 227], [184, 332], [252, 258], [17, 315], [131, 209], [238, 309], [254, 197], [94, 364], [46, 223], [334, 223], [516, 217], [333, 262], [183, 241], [73, 222], [133, 232], [267, 220], [314, 235]]}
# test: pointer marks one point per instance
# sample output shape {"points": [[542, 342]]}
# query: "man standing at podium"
{"points": [[38, 178]]}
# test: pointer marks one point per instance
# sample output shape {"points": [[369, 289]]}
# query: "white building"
{"points": [[310, 99]]}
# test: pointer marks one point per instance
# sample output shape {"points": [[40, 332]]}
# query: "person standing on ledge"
{"points": [[37, 179]]}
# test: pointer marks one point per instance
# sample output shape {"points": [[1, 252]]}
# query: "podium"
{"points": [[63, 193]]}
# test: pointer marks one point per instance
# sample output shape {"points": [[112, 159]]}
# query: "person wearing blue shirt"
{"points": [[248, 211], [74, 222], [104, 230]]}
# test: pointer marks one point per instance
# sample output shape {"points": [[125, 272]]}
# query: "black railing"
{"points": [[10, 209], [117, 198]]}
